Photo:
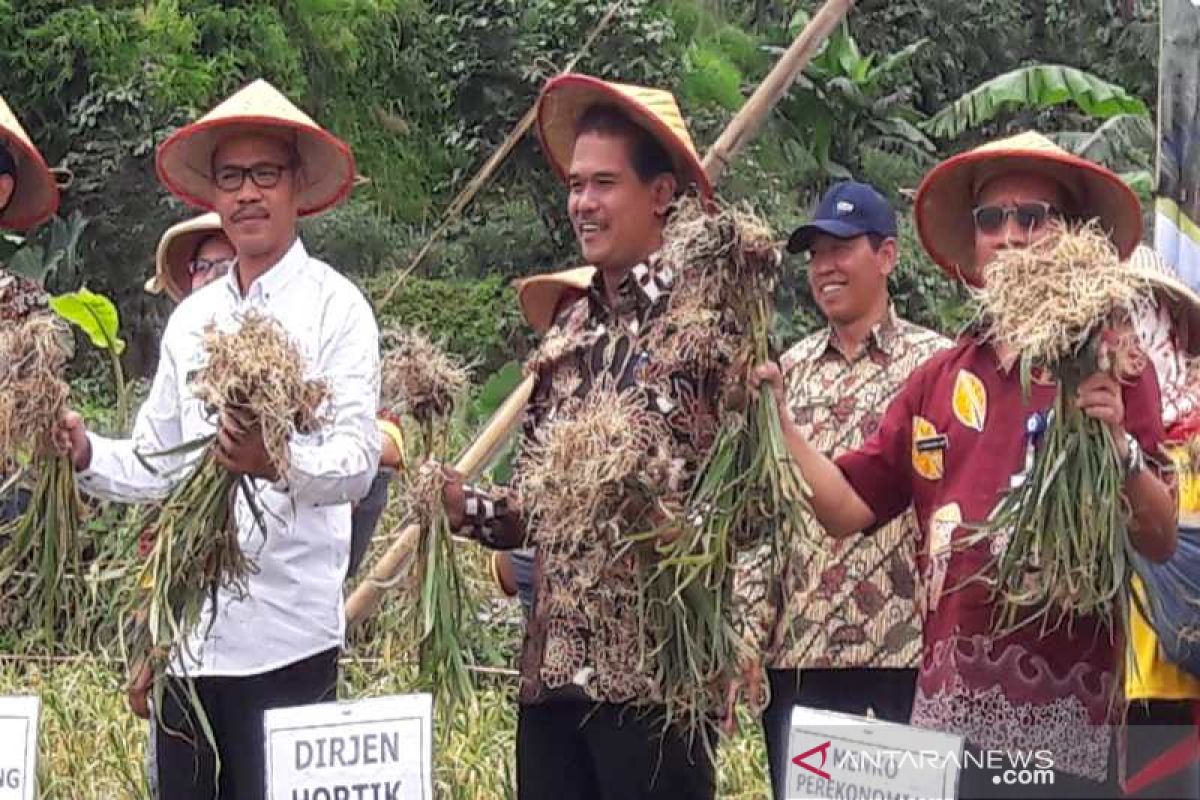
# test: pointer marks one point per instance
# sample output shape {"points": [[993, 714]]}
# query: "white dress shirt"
{"points": [[293, 608]]}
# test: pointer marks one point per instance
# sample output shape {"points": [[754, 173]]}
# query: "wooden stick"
{"points": [[397, 560], [476, 184], [754, 113]]}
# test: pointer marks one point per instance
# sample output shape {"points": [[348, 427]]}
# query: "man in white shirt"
{"points": [[259, 163]]}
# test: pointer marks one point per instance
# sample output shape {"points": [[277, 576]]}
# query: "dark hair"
{"points": [[205, 240], [646, 153], [8, 164], [876, 240]]}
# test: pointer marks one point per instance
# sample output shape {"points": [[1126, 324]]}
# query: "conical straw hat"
{"points": [[946, 198], [1182, 303], [35, 194], [540, 295], [175, 249], [185, 159], [565, 99]]}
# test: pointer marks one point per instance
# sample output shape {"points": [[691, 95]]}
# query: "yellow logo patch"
{"points": [[928, 449], [970, 400]]}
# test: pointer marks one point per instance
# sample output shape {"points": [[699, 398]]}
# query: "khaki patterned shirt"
{"points": [[852, 603], [584, 637]]}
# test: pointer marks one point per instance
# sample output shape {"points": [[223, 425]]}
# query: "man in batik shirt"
{"points": [[842, 631], [588, 725]]}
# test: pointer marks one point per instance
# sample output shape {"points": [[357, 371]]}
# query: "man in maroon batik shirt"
{"points": [[953, 440]]}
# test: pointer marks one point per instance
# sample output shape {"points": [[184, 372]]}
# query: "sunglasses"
{"points": [[201, 266], [1029, 216]]}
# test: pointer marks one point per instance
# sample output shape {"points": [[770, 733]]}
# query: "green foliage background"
{"points": [[424, 90]]}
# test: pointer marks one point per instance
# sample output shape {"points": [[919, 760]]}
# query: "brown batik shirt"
{"points": [[584, 637], [20, 297], [849, 603]]}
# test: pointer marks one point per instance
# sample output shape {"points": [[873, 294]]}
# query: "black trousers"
{"points": [[1160, 761], [364, 518], [886, 692], [581, 751], [12, 504], [975, 783], [234, 707]]}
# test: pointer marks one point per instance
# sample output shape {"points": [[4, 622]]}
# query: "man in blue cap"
{"points": [[840, 627]]}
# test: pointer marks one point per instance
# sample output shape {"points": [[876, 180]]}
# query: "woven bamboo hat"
{"points": [[1181, 301], [175, 250], [35, 193], [184, 160], [565, 99], [541, 295], [946, 198]]}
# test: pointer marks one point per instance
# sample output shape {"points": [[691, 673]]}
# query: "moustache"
{"points": [[250, 212]]}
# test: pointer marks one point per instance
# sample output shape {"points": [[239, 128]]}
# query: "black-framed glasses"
{"points": [[265, 175], [202, 266], [1030, 216]]}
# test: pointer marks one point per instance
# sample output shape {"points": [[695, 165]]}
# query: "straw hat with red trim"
{"points": [[541, 295], [563, 102], [946, 198], [184, 160], [175, 250], [35, 193], [565, 99], [1182, 303]]}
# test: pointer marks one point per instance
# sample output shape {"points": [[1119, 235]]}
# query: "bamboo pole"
{"points": [[488, 170], [397, 560], [754, 113]]}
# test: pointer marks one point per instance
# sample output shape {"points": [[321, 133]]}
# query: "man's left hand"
{"points": [[240, 447], [1099, 397]]}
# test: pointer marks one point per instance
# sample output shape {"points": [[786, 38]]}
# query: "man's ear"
{"points": [[889, 252], [664, 188], [7, 185]]}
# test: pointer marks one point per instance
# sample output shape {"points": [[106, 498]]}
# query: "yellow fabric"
{"points": [[1150, 676], [393, 432]]}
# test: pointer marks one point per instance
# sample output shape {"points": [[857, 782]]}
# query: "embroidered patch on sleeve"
{"points": [[970, 400], [928, 449]]}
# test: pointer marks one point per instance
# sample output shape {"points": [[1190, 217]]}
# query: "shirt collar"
{"points": [[640, 290], [882, 337], [275, 278]]}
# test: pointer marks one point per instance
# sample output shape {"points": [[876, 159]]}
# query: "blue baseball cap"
{"points": [[847, 210]]}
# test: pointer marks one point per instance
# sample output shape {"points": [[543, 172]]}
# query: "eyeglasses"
{"points": [[265, 175], [200, 266], [1029, 216]]}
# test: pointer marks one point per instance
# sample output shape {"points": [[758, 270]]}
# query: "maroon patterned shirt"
{"points": [[949, 444]]}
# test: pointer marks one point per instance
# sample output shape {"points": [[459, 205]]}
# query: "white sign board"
{"points": [[18, 747], [840, 755], [376, 749]]}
